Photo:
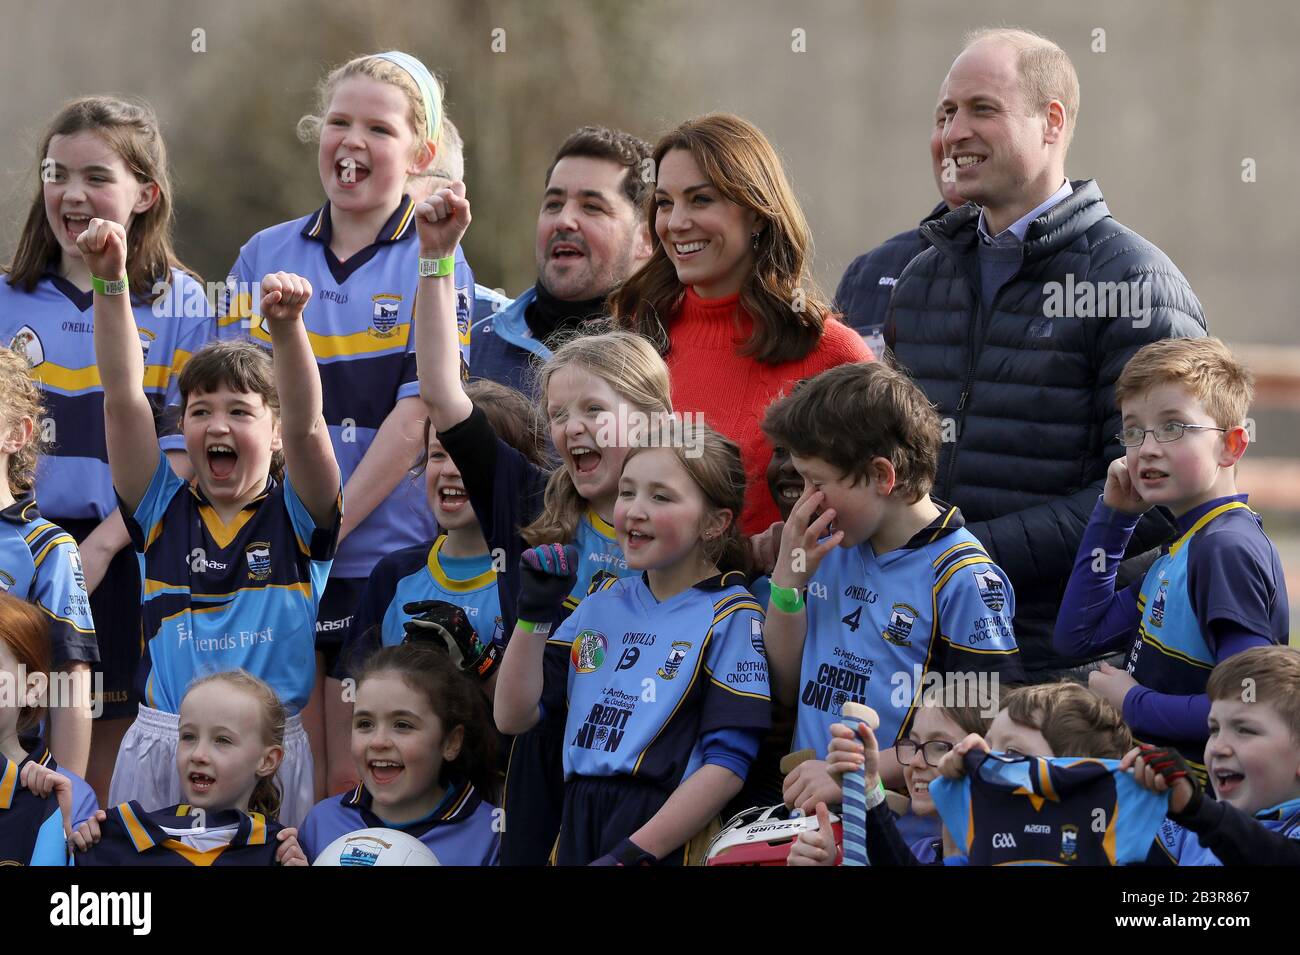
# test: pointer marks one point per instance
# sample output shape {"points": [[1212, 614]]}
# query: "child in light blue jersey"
{"points": [[1253, 758], [592, 389], [377, 122], [665, 696], [425, 751], [233, 563], [899, 594], [100, 157]]}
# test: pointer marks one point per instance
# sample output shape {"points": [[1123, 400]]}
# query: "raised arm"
{"points": [[441, 221], [308, 454], [128, 417]]}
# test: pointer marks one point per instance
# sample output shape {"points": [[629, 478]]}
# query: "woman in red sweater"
{"points": [[727, 296]]}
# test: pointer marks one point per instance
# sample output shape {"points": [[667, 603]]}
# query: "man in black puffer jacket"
{"points": [[1018, 319]]}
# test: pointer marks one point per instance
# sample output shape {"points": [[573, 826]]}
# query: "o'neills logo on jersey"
{"points": [[385, 315], [899, 631], [259, 560], [28, 344], [992, 591], [676, 654], [589, 648]]}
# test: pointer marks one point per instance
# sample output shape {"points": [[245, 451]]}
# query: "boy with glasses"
{"points": [[1218, 589]]}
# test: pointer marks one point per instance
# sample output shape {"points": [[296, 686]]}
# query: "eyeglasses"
{"points": [[932, 752], [1169, 431]]}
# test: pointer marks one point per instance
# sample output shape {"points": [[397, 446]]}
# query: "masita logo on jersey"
{"points": [[28, 344], [589, 648], [385, 314], [899, 630], [676, 654], [258, 555], [992, 590]]}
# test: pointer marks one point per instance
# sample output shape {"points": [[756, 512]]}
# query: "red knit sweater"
{"points": [[733, 391]]}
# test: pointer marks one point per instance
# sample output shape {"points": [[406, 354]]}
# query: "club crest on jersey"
{"points": [[146, 340], [462, 315], [384, 317], [992, 591], [6, 582], [258, 555], [78, 574], [899, 630], [589, 648], [1069, 842], [756, 637], [28, 344], [1158, 605], [676, 654]]}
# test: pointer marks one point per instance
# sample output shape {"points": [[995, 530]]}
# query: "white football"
{"points": [[376, 847]]}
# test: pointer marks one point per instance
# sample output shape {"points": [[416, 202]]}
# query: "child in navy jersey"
{"points": [[665, 697], [592, 388], [425, 751], [231, 742], [35, 792], [99, 157], [1216, 590], [377, 123]]}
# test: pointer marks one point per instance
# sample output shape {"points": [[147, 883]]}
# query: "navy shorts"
{"points": [[534, 795], [602, 811], [115, 607], [337, 605]]}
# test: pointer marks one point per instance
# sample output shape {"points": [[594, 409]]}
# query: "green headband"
{"points": [[427, 85]]}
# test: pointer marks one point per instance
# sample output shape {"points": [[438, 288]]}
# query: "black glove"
{"points": [[549, 573], [1169, 763], [626, 852], [447, 626]]}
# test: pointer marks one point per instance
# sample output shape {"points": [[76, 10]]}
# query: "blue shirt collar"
{"points": [[1185, 522], [1018, 228]]}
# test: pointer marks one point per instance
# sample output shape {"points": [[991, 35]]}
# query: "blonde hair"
{"points": [[1045, 70], [629, 364], [266, 795], [20, 397], [1205, 367], [383, 71], [713, 461]]}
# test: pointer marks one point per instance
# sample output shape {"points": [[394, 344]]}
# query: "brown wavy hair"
{"points": [[130, 128], [20, 397], [789, 311], [1074, 720], [266, 797]]}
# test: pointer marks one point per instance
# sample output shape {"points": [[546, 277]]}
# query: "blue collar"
{"points": [[1188, 520], [1018, 228], [399, 225]]}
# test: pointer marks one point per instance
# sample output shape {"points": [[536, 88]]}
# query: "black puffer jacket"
{"points": [[1026, 392]]}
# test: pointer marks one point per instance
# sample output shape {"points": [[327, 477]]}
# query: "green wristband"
{"points": [[786, 599], [529, 627], [437, 267], [108, 286]]}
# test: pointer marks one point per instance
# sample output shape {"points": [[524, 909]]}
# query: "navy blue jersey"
{"points": [[646, 678], [359, 325], [1222, 569], [53, 327], [31, 826], [421, 572], [462, 830], [182, 836], [40, 563], [1028, 810], [221, 597], [877, 626]]}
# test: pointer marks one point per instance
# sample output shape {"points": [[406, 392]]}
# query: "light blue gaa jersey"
{"points": [[647, 678], [1184, 846], [40, 563], [1035, 810], [461, 830], [31, 826], [53, 326], [882, 629], [359, 324], [224, 596], [598, 553], [421, 572]]}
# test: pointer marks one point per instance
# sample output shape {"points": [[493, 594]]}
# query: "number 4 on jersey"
{"points": [[854, 620]]}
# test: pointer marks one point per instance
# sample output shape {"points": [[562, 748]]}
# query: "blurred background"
{"points": [[1176, 96]]}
